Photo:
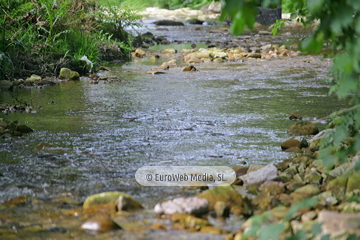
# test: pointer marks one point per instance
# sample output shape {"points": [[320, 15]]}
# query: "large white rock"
{"points": [[263, 174], [335, 223], [191, 205]]}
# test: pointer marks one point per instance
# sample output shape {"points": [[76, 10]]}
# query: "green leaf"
{"points": [[342, 19], [315, 6], [313, 43], [316, 229], [300, 235], [271, 231], [308, 202], [355, 4], [270, 3]]}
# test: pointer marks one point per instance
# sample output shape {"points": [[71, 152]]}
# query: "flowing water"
{"points": [[221, 115]]}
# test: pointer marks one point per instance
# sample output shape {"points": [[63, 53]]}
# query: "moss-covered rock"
{"points": [[109, 197], [22, 128], [303, 128], [225, 194], [338, 186], [66, 73], [353, 183]]}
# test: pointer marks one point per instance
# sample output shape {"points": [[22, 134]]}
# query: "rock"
{"points": [[100, 223], [212, 230], [225, 194], [262, 200], [155, 72], [189, 68], [313, 177], [163, 66], [108, 197], [169, 51], [290, 143], [240, 170], [125, 203], [191, 205], [221, 209], [33, 78], [6, 85], [107, 208], [22, 128], [140, 53], [168, 23], [254, 55], [342, 169], [303, 128], [338, 186], [273, 187], [294, 150], [308, 190], [215, 7], [66, 73], [195, 21], [335, 223], [308, 216], [255, 167], [269, 172], [295, 116], [353, 183]]}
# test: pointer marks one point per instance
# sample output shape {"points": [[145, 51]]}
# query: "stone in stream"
{"points": [[303, 128], [290, 143], [127, 202], [100, 223], [189, 68], [22, 128], [190, 205], [66, 73], [168, 23]]}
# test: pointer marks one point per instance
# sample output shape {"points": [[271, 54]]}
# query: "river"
{"points": [[225, 114]]}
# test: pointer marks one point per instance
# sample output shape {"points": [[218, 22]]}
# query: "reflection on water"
{"points": [[101, 134]]}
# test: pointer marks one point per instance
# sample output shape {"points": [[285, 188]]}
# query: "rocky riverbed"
{"points": [[227, 102]]}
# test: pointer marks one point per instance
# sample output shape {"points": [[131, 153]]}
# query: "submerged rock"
{"points": [[168, 23], [191, 205], [100, 223], [189, 68]]}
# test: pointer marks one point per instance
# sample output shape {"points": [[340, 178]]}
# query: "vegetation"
{"points": [[172, 4], [41, 36], [339, 24]]}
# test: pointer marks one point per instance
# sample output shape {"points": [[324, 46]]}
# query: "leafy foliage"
{"points": [[55, 33]]}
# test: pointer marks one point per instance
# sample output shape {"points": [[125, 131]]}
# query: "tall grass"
{"points": [[40, 36]]}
